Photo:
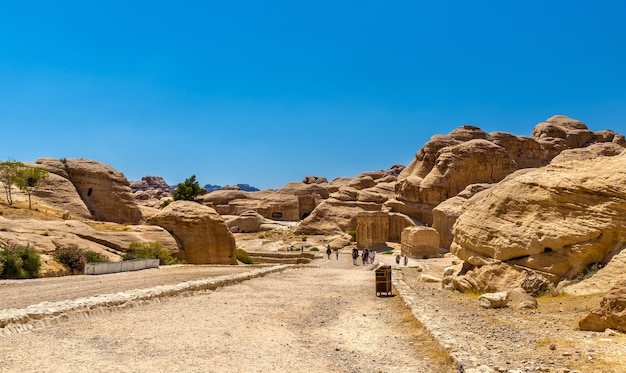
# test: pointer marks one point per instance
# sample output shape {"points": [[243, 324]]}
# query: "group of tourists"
{"points": [[367, 256], [406, 259]]}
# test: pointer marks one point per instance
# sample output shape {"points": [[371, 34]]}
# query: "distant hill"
{"points": [[244, 187]]}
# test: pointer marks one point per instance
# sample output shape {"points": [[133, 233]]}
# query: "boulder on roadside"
{"points": [[203, 234], [519, 299], [611, 314], [493, 300]]}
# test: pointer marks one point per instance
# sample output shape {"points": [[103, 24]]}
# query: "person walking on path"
{"points": [[328, 251], [373, 255], [398, 259], [406, 260], [337, 253], [355, 255]]}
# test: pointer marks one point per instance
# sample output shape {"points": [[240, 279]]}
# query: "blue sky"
{"points": [[267, 92]]}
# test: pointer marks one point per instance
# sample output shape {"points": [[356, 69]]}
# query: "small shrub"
{"points": [[353, 234], [166, 203], [19, 262], [94, 257], [314, 249], [244, 257], [75, 258], [589, 271], [388, 252], [149, 250]]}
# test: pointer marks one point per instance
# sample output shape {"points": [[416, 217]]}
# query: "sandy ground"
{"points": [[325, 318]]}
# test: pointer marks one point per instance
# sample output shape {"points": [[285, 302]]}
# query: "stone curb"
{"points": [[463, 360], [36, 316]]}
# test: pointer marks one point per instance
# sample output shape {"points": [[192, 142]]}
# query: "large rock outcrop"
{"points": [[558, 219], [448, 163], [201, 231], [104, 191]]}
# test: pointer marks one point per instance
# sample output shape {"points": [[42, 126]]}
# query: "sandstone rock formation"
{"points": [[293, 202], [420, 242], [557, 219], [108, 239], [314, 180], [493, 300], [611, 314], [151, 190], [447, 164], [495, 277], [446, 213], [103, 190], [201, 231], [519, 299]]}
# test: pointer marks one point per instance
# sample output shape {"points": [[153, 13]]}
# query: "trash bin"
{"points": [[383, 280]]}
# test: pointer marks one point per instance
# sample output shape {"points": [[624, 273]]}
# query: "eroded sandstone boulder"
{"points": [[203, 234], [611, 314], [558, 219], [102, 191], [519, 299]]}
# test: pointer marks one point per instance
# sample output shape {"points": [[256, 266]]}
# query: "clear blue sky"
{"points": [[267, 92]]}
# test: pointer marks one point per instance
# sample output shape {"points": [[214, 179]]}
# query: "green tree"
{"points": [[189, 190], [29, 179], [8, 174]]}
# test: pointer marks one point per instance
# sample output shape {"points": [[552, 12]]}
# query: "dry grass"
{"points": [[108, 226], [20, 210]]}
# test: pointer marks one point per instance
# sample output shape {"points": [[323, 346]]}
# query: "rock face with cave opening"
{"points": [[104, 191]]}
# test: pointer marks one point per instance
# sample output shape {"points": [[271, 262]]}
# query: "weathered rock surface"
{"points": [[203, 234], [557, 219], [611, 314], [108, 239], [493, 300], [519, 299], [446, 213], [495, 277], [334, 216], [603, 280]]}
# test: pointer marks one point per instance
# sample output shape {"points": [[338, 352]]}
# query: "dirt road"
{"points": [[315, 319]]}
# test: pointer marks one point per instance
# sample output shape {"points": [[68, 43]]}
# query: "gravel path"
{"points": [[313, 319], [319, 318]]}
